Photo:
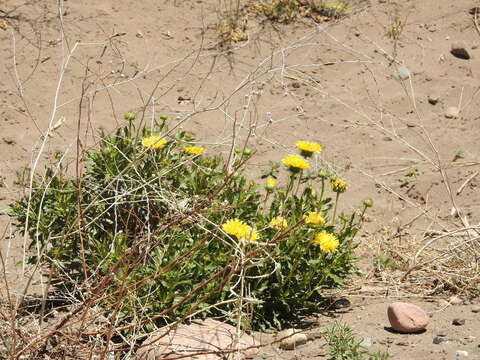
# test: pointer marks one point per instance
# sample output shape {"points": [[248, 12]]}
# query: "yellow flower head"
{"points": [[251, 234], [308, 147], [278, 223], [271, 182], [338, 185], [314, 217], [240, 230], [154, 142], [327, 242], [295, 163], [193, 150]]}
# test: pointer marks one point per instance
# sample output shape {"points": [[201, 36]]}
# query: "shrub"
{"points": [[158, 229]]}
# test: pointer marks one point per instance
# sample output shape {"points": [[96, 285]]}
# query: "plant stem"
{"points": [[335, 208]]}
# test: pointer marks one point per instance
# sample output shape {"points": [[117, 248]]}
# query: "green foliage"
{"points": [[147, 222], [382, 262], [342, 345]]}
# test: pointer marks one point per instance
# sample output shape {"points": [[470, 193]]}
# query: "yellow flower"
{"points": [[271, 182], [240, 230], [327, 242], [308, 147], [295, 162], [154, 142], [278, 223], [338, 185], [314, 218], [251, 234], [193, 150]]}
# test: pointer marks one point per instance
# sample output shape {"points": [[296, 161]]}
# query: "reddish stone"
{"points": [[406, 317]]}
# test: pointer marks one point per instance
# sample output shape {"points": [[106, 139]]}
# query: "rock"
{"points": [[459, 50], [366, 343], [291, 339], [441, 303], [452, 112], [455, 300], [439, 339], [461, 353], [476, 309], [296, 84], [199, 336], [402, 73], [406, 317], [8, 140], [433, 100], [458, 322]]}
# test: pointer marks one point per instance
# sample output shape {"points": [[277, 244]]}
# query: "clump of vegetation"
{"points": [[342, 345], [286, 11], [158, 229]]}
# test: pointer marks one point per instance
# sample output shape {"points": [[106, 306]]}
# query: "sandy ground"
{"points": [[334, 83]]}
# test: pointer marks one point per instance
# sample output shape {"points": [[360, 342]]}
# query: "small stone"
{"points": [[366, 343], [455, 300], [476, 309], [439, 339], [139, 34], [461, 353], [452, 113], [433, 100], [459, 50], [402, 73], [441, 303], [8, 140], [291, 339], [466, 302], [458, 322], [406, 317], [296, 84]]}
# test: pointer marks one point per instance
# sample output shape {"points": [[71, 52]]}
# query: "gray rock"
{"points": [[458, 322], [459, 50], [402, 73], [366, 342], [439, 339]]}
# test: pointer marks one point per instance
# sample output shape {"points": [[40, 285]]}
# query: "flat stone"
{"points": [[458, 322], [291, 339], [402, 73], [455, 300], [476, 309], [452, 112], [459, 353], [200, 336], [406, 317], [439, 339], [459, 50]]}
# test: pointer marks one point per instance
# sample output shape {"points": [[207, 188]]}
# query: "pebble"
{"points": [[458, 322], [292, 339], [442, 303], [476, 309], [9, 140], [433, 100], [461, 353], [406, 317], [459, 50], [452, 113], [402, 73], [366, 342], [439, 339], [454, 300]]}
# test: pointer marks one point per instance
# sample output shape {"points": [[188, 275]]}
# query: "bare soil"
{"points": [[331, 82]]}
